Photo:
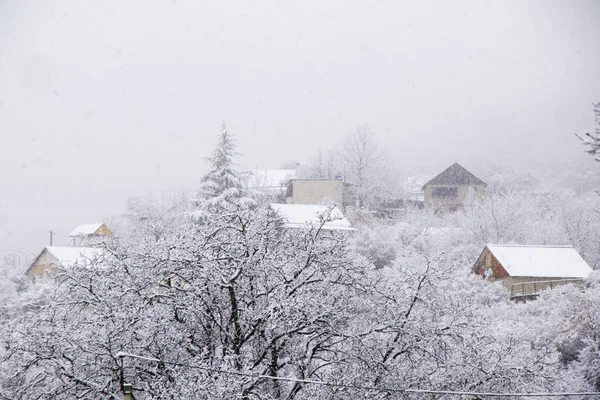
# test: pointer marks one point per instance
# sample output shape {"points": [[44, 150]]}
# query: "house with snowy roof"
{"points": [[90, 234], [306, 216], [527, 270], [448, 190], [55, 258]]}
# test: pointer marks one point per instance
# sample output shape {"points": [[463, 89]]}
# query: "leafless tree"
{"points": [[361, 154], [592, 139]]}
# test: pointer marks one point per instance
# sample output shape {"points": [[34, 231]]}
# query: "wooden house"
{"points": [[448, 190], [54, 258], [90, 234], [527, 270]]}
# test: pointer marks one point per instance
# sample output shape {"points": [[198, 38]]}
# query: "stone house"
{"points": [[448, 191]]}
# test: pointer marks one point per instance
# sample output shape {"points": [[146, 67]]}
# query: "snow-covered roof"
{"points": [[541, 261], [269, 178], [71, 255], [65, 256], [304, 215], [86, 229]]}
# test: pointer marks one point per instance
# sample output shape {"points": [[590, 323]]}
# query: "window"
{"points": [[445, 191]]}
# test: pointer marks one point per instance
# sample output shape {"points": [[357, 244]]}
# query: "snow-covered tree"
{"points": [[361, 154], [238, 292], [222, 183], [325, 165], [592, 139], [241, 293], [371, 178]]}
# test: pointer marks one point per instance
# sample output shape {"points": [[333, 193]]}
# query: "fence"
{"points": [[533, 288]]}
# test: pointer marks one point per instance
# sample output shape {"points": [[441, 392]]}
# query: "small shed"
{"points": [[90, 233], [448, 190], [52, 258], [308, 215], [527, 270]]}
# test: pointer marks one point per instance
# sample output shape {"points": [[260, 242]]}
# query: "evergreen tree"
{"points": [[222, 184]]}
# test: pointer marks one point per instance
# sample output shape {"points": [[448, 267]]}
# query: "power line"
{"points": [[360, 387]]}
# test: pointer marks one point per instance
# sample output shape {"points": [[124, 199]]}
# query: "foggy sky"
{"points": [[102, 100]]}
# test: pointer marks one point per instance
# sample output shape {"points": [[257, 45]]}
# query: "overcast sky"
{"points": [[102, 100]]}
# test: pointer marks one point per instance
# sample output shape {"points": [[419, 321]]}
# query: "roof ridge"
{"points": [[533, 245], [455, 174], [92, 226]]}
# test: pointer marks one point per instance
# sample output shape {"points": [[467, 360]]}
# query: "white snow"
{"points": [[86, 229], [304, 215], [541, 261], [68, 256]]}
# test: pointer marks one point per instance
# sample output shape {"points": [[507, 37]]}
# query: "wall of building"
{"points": [[42, 265], [489, 267], [521, 286], [103, 231], [318, 191], [448, 203]]}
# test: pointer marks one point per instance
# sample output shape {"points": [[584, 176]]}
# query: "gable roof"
{"points": [[541, 261], [86, 229], [455, 174], [68, 256], [307, 215]]}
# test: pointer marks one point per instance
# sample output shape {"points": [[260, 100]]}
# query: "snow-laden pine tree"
{"points": [[222, 184]]}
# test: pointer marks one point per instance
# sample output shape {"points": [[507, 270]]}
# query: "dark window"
{"points": [[445, 191]]}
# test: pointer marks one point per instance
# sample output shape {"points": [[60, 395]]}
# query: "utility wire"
{"points": [[361, 387]]}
